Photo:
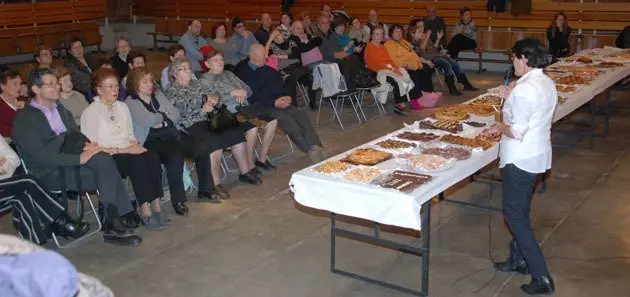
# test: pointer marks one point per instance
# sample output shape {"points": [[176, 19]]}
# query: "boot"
{"points": [[452, 89], [464, 81], [515, 261], [539, 286]]}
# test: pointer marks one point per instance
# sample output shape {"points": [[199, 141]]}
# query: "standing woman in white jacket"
{"points": [[525, 152]]}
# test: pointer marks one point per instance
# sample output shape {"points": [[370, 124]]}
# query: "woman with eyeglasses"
{"points": [[194, 101], [107, 122]]}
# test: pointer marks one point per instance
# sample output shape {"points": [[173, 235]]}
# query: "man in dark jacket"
{"points": [[332, 51], [270, 97], [49, 142], [119, 61]]}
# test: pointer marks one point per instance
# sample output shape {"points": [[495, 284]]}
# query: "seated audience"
{"points": [[334, 53], [434, 23], [239, 43], [401, 52], [72, 100], [270, 97], [59, 157], [10, 88], [175, 52], [345, 41], [373, 22], [623, 40], [194, 101], [33, 209], [285, 25], [107, 122], [219, 39], [154, 124], [558, 36], [122, 93], [357, 33], [192, 42], [233, 93], [262, 34], [309, 27], [288, 53], [464, 34], [44, 58], [79, 65], [310, 55], [428, 51], [377, 59], [119, 61], [134, 60]]}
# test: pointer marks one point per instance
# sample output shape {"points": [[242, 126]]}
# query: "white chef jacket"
{"points": [[529, 112]]}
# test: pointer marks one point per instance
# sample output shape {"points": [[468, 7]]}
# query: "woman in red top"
{"points": [[376, 58], [10, 89]]}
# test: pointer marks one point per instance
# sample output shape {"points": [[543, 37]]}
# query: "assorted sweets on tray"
{"points": [[332, 167], [565, 89], [363, 174], [404, 181], [489, 100], [395, 144], [413, 136], [444, 125], [451, 115], [367, 157], [465, 141], [572, 79], [449, 152]]}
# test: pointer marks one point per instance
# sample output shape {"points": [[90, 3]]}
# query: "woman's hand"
{"points": [[210, 103], [440, 34]]}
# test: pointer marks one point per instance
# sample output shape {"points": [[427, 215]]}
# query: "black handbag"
{"points": [[73, 143], [221, 119]]}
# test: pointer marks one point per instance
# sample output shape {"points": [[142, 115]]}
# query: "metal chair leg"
{"points": [[82, 238]]}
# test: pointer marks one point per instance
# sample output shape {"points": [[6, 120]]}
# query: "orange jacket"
{"points": [[402, 53], [376, 57]]}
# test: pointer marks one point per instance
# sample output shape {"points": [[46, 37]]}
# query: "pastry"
{"points": [[490, 100], [451, 115], [364, 175], [424, 137], [470, 142], [572, 79], [448, 152], [395, 144], [482, 110], [475, 124], [444, 125], [369, 157], [425, 162], [332, 167], [489, 136], [585, 60], [608, 65], [565, 89]]}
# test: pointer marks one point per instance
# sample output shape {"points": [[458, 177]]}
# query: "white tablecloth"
{"points": [[390, 207]]}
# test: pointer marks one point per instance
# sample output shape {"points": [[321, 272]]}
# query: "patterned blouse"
{"points": [[469, 30], [188, 101], [222, 84]]}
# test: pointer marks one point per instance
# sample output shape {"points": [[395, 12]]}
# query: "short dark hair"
{"points": [[74, 40], [36, 78], [173, 49], [533, 50], [464, 10], [42, 48], [213, 33], [287, 14], [393, 28], [6, 75], [133, 55], [236, 21]]}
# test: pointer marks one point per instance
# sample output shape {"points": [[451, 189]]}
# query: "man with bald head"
{"points": [[270, 96], [262, 34], [192, 42]]}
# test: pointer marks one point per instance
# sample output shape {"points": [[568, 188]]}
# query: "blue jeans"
{"points": [[449, 66], [518, 186]]}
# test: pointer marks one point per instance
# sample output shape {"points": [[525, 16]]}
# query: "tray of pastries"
{"points": [[367, 156], [609, 65], [444, 125], [363, 174], [413, 136], [451, 115], [331, 167], [425, 163], [489, 135], [572, 79], [448, 152], [565, 88], [404, 181], [483, 110], [589, 70], [475, 124], [489, 100], [469, 142], [395, 144]]}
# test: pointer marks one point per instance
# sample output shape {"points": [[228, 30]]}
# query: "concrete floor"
{"points": [[262, 243]]}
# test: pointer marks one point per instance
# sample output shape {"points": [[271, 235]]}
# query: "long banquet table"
{"points": [[385, 206]]}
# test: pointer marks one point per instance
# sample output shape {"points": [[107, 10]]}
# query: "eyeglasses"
{"points": [[52, 84]]}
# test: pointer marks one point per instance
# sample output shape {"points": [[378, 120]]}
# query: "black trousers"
{"points": [[397, 97], [459, 43], [99, 173], [518, 186], [302, 75], [422, 78], [33, 208], [145, 173], [349, 68]]}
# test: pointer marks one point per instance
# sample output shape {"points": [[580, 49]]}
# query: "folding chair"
{"points": [[379, 106], [94, 211], [303, 92], [439, 78], [337, 101]]}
